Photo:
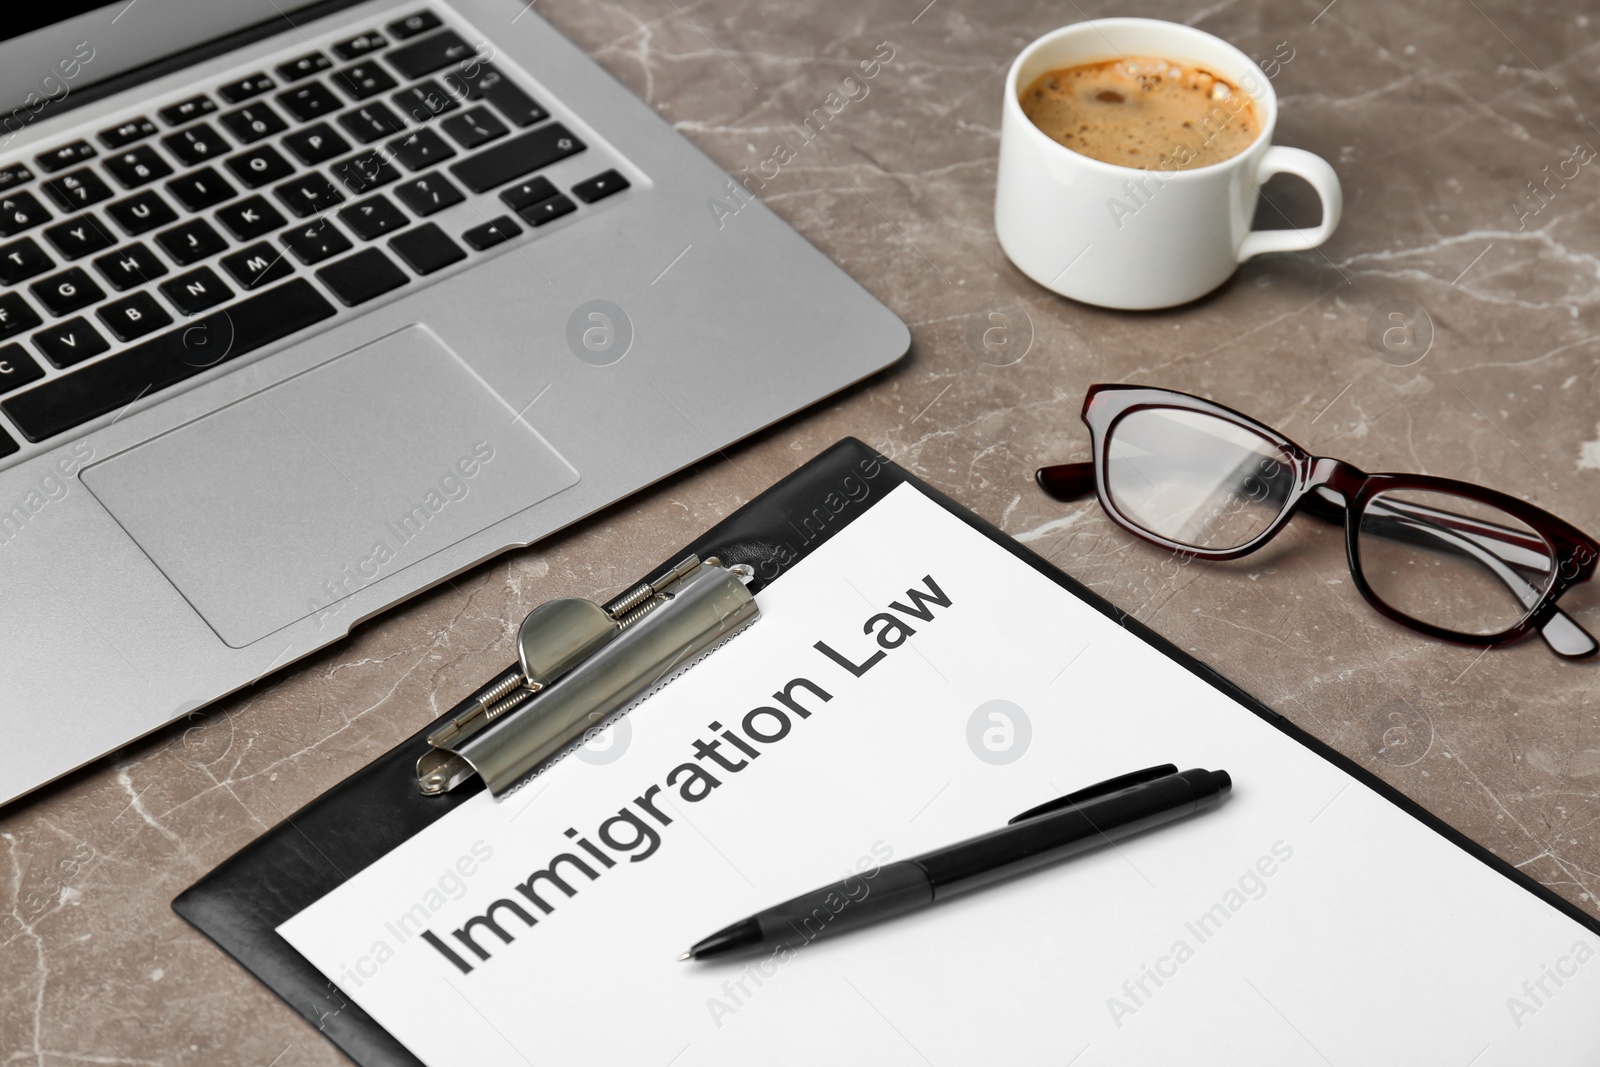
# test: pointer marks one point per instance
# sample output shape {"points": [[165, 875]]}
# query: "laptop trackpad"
{"points": [[283, 504]]}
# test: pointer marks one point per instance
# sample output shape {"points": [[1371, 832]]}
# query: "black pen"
{"points": [[1040, 836]]}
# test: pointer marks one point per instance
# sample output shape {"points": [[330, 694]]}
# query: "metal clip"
{"points": [[581, 664]]}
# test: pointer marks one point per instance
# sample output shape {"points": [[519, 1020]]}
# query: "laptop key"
{"points": [[187, 110], [137, 166], [316, 241], [16, 315], [258, 265], [260, 166], [190, 242], [424, 101], [250, 218], [600, 186], [201, 189], [20, 211], [197, 144], [14, 174], [127, 133], [246, 87], [303, 67], [371, 122], [420, 150], [474, 127], [252, 122], [21, 260], [67, 155], [491, 233], [141, 212], [309, 101], [77, 237], [367, 171], [373, 217], [196, 291], [69, 343], [527, 192], [134, 316], [112, 384], [309, 194], [512, 159], [79, 189], [362, 80], [17, 369], [426, 249], [360, 45], [62, 294], [362, 277], [429, 54], [547, 210], [411, 25], [427, 194], [129, 267], [316, 144], [486, 82]]}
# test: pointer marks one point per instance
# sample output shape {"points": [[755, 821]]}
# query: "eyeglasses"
{"points": [[1447, 558]]}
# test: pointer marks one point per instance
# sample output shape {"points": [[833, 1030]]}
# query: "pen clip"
{"points": [[1099, 789]]}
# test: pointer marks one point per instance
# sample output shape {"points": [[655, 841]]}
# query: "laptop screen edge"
{"points": [[51, 68]]}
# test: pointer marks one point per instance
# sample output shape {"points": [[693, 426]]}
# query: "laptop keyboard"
{"points": [[161, 247]]}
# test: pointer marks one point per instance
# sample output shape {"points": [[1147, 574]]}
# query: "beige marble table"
{"points": [[1440, 117]]}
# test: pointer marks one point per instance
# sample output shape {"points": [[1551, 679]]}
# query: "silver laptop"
{"points": [[305, 309]]}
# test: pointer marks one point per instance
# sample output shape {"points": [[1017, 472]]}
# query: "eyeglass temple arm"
{"points": [[1073, 481], [1067, 481]]}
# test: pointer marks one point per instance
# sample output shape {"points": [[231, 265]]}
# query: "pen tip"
{"points": [[686, 956]]}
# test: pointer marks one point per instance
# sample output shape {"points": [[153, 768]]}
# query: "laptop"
{"points": [[305, 309]]}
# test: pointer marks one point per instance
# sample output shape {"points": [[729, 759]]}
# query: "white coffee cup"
{"points": [[1122, 237]]}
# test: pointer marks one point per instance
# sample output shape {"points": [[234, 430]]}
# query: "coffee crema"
{"points": [[1143, 112]]}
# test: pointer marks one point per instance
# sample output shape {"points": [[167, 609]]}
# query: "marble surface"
{"points": [[1437, 117]]}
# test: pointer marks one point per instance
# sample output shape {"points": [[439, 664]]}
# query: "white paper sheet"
{"points": [[1305, 921]]}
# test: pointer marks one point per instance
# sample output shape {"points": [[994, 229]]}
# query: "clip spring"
{"points": [[580, 663]]}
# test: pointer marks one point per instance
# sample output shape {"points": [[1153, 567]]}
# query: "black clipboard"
{"points": [[241, 903]]}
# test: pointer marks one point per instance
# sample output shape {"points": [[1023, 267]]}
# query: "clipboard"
{"points": [[241, 903]]}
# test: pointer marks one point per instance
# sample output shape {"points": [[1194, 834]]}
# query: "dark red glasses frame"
{"points": [[1336, 492]]}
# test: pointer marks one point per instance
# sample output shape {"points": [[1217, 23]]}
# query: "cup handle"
{"points": [[1316, 171]]}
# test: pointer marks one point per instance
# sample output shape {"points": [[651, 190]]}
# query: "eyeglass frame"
{"points": [[1574, 552]]}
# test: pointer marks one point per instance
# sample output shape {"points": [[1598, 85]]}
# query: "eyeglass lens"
{"points": [[1451, 561], [1194, 479]]}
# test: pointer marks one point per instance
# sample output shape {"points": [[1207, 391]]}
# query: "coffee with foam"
{"points": [[1143, 112]]}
